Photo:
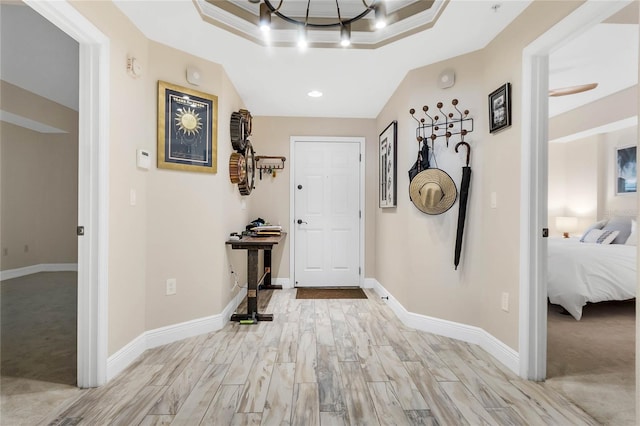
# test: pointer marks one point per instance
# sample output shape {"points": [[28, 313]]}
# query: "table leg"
{"points": [[252, 281], [266, 285], [252, 291]]}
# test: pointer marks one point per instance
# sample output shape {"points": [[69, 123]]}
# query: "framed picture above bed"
{"points": [[626, 177]]}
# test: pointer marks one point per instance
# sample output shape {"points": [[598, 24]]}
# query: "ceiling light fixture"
{"points": [[345, 35], [265, 17], [315, 93], [324, 20]]}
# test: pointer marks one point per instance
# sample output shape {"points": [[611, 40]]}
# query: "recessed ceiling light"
{"points": [[315, 93]]}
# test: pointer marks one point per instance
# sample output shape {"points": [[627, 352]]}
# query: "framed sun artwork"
{"points": [[187, 129]]}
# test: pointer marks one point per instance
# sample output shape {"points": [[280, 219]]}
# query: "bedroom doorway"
{"points": [[93, 165], [585, 135], [533, 314]]}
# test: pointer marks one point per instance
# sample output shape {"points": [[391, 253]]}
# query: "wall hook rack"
{"points": [[442, 126], [270, 164]]}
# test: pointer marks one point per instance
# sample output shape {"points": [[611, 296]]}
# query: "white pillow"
{"points": [[633, 238], [599, 236]]}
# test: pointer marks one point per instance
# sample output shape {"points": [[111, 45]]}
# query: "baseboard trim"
{"points": [[466, 333], [284, 282], [369, 283], [34, 269], [169, 334]]}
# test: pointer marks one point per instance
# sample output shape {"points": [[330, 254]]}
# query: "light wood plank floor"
{"points": [[320, 362]]}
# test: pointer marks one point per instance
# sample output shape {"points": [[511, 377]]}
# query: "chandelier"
{"points": [[304, 21]]}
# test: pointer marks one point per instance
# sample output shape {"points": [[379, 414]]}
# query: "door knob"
{"points": [[299, 186], [300, 221]]}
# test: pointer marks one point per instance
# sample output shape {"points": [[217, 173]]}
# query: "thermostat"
{"points": [[143, 159]]}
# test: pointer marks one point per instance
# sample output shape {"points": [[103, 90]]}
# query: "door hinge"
{"points": [[360, 214], [359, 270], [360, 158], [545, 232]]}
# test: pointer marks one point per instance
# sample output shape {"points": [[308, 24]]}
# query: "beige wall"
{"points": [[190, 215], [414, 251], [575, 169], [270, 199], [612, 108], [131, 115], [178, 227], [39, 208], [414, 256]]}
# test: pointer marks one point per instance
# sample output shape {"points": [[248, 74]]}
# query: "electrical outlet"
{"points": [[505, 302], [171, 286]]}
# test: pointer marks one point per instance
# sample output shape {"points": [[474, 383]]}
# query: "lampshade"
{"points": [[566, 224]]}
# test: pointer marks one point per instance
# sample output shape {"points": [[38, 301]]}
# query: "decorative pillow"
{"points": [[620, 224], [600, 236], [597, 225], [633, 238]]}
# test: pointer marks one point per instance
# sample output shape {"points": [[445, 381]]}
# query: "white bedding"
{"points": [[580, 272]]}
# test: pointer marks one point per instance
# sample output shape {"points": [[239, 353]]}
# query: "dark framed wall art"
{"points": [[187, 129], [626, 178], [388, 165], [500, 108]]}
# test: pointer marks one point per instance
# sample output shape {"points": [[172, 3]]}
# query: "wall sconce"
{"points": [[566, 225]]}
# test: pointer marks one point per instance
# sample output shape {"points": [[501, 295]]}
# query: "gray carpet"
{"points": [[38, 327], [592, 361]]}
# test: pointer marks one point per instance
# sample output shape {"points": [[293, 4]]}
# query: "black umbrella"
{"points": [[464, 194]]}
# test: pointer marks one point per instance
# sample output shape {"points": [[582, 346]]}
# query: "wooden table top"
{"points": [[256, 242]]}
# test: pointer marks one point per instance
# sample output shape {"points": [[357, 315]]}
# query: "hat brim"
{"points": [[439, 177]]}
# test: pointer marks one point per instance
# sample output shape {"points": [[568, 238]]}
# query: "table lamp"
{"points": [[566, 225]]}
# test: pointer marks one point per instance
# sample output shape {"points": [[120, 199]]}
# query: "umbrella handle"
{"points": [[468, 149]]}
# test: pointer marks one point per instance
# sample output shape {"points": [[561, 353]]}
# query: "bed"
{"points": [[581, 272]]}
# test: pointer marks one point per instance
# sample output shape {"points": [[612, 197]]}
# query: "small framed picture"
{"points": [[388, 165], [626, 178], [500, 108]]}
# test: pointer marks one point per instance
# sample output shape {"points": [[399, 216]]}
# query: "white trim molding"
{"points": [[533, 180], [123, 358], [454, 330], [34, 269], [284, 282], [93, 187]]}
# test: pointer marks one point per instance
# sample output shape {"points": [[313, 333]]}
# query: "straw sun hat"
{"points": [[433, 191]]}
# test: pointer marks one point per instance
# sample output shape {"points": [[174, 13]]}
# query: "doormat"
{"points": [[330, 293]]}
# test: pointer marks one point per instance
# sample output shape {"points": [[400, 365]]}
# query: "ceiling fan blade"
{"points": [[564, 91]]}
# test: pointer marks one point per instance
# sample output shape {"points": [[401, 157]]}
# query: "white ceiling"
{"points": [[403, 17], [606, 54], [274, 81], [356, 83], [37, 56]]}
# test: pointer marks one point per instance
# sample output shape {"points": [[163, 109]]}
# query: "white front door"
{"points": [[326, 219]]}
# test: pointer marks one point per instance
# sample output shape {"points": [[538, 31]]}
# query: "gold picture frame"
{"points": [[187, 129]]}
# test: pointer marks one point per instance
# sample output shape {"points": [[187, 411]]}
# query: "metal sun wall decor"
{"points": [[446, 126]]}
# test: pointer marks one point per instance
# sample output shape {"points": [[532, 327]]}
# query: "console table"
{"points": [[253, 245]]}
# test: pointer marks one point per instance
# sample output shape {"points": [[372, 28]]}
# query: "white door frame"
{"points": [[309, 139], [533, 187], [93, 201]]}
